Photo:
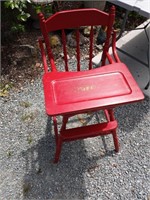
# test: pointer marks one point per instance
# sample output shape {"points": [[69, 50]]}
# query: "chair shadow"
{"points": [[65, 180], [129, 116]]}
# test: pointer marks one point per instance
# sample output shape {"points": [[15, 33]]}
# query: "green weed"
{"points": [[28, 117], [25, 104]]}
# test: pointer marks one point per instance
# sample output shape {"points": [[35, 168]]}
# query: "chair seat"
{"points": [[100, 88]]}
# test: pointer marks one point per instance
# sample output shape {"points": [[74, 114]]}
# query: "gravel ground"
{"points": [[86, 170]]}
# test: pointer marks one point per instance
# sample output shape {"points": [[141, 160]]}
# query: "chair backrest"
{"points": [[74, 19]]}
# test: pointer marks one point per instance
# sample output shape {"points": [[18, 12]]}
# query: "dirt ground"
{"points": [[19, 63]]}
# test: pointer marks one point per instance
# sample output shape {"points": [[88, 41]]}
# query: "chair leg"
{"points": [[115, 138], [114, 133], [58, 141], [58, 150], [64, 122], [110, 117], [58, 137], [55, 129]]}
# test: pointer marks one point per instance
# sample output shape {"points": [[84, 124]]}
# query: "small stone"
{"points": [[86, 56], [71, 39], [38, 65], [73, 57], [29, 48], [14, 62], [114, 165], [87, 30], [62, 55], [97, 59]]}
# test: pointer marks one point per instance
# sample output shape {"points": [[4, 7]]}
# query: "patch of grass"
{"points": [[5, 88], [9, 153], [26, 188], [28, 117], [25, 104], [30, 139]]}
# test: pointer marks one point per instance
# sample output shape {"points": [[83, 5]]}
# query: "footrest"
{"points": [[88, 131]]}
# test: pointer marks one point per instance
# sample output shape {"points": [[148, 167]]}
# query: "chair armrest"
{"points": [[110, 59], [114, 58], [114, 47]]}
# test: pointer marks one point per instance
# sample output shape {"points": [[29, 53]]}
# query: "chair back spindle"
{"points": [[78, 49], [64, 49], [91, 47]]}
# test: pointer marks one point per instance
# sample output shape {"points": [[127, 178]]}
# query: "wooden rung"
{"points": [[88, 131]]}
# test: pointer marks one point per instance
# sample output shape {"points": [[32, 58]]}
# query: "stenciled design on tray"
{"points": [[85, 88]]}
